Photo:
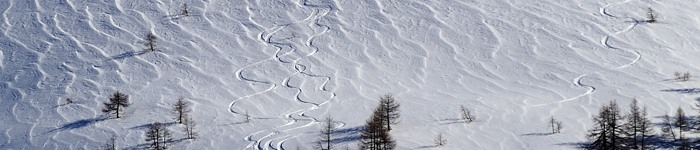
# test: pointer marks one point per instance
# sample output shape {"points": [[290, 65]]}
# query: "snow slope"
{"points": [[291, 63]]}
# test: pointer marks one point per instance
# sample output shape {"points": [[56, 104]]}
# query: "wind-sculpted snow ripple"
{"points": [[290, 63], [291, 54]]}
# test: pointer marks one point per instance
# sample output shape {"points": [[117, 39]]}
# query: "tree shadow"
{"points": [[176, 17], [79, 124], [173, 17], [537, 134], [659, 142], [60, 105], [577, 145], [673, 80], [638, 21], [127, 55], [67, 104], [234, 123], [684, 91], [450, 121], [251, 121], [146, 126], [426, 147], [655, 142], [347, 135], [179, 140], [143, 146]]}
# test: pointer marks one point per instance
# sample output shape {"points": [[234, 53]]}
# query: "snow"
{"points": [[291, 63]]}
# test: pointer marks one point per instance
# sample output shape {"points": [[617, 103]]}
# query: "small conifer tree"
{"points": [[150, 42], [116, 103], [181, 108], [190, 127], [159, 136], [440, 140], [466, 114]]}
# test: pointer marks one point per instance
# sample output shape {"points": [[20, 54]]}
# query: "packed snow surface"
{"points": [[515, 63]]}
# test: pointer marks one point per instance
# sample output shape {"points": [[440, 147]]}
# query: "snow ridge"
{"points": [[290, 63]]}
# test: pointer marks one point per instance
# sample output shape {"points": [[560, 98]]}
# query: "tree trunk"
{"points": [[117, 110]]}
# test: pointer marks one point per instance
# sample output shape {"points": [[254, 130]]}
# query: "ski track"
{"points": [[34, 87], [269, 141], [605, 43], [82, 42]]}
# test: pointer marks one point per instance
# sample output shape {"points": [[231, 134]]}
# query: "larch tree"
{"points": [[181, 108], [638, 127], [159, 136], [684, 144], [555, 125], [111, 143], [632, 124], [326, 140], [189, 129], [667, 127], [607, 132], [116, 103], [391, 110], [68, 101], [185, 10], [645, 130], [440, 140], [466, 114], [375, 135], [681, 122], [651, 15], [150, 42], [247, 117]]}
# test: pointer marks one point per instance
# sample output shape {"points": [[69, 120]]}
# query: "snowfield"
{"points": [[289, 64]]}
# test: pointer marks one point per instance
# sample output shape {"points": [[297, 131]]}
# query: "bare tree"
{"points": [[696, 122], [556, 125], [651, 15], [318, 145], [159, 136], [645, 130], [69, 101], [681, 122], [667, 127], [181, 108], [190, 127], [682, 77], [632, 124], [150, 42], [116, 102], [684, 143], [375, 135], [325, 142], [247, 117], [637, 127], [391, 110], [466, 114], [439, 140], [111, 143], [607, 132], [185, 11]]}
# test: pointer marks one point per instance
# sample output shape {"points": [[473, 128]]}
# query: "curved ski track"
{"points": [[275, 138], [604, 42]]}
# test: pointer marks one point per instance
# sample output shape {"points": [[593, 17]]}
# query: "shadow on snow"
{"points": [[127, 55], [145, 126], [684, 91], [347, 135], [79, 124]]}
